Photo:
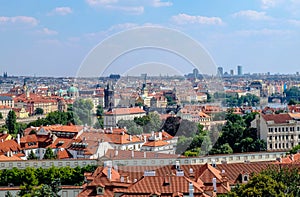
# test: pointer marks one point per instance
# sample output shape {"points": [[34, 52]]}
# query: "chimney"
{"points": [[191, 189], [213, 163], [145, 155], [191, 172], [116, 153], [116, 168], [177, 165], [130, 137], [132, 154], [145, 139], [292, 157], [214, 180], [109, 172], [18, 139], [160, 135]]}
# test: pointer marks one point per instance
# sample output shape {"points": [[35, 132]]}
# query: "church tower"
{"points": [[109, 100]]}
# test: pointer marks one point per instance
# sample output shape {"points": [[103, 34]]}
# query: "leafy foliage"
{"points": [[99, 113], [49, 154], [56, 117], [83, 109], [131, 126], [275, 181], [38, 111], [233, 100], [295, 149], [238, 136], [11, 122], [38, 176]]}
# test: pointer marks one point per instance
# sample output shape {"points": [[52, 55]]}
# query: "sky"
{"points": [[54, 37]]}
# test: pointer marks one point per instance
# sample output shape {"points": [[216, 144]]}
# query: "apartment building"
{"points": [[280, 131]]}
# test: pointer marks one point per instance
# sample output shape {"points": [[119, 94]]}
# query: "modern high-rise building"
{"points": [[239, 70], [220, 71], [195, 73], [231, 72]]}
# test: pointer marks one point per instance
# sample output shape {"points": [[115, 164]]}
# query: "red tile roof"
{"points": [[123, 111], [156, 143], [277, 118]]}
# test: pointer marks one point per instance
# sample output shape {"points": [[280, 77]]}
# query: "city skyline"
{"points": [[53, 38]]}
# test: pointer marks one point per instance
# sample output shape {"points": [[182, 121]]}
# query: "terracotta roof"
{"points": [[4, 137], [277, 118], [123, 111], [155, 143], [163, 185], [65, 128], [64, 154], [292, 158], [9, 145], [12, 158], [61, 143]]}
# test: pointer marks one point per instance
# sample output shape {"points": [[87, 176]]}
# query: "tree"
{"points": [[49, 154], [131, 127], [1, 116], [295, 149], [239, 135], [260, 185], [99, 113], [11, 122], [8, 194], [38, 111], [83, 109], [31, 156]]}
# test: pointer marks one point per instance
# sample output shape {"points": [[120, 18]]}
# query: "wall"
{"points": [[233, 158], [46, 163]]}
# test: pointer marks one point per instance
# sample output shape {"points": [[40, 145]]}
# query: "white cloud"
{"points": [[61, 11], [266, 4], [47, 31], [100, 2], [159, 3], [19, 19], [189, 19], [264, 32], [252, 15], [111, 30], [294, 22], [129, 9]]}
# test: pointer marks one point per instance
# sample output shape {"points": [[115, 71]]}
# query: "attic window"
{"points": [[100, 190]]}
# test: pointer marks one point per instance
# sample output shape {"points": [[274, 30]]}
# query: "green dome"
{"points": [[72, 89]]}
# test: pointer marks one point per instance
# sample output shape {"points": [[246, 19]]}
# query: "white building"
{"points": [[280, 131], [112, 117]]}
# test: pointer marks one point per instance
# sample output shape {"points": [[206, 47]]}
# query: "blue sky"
{"points": [[51, 38]]}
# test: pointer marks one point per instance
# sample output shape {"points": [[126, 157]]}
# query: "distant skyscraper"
{"points": [[239, 70], [231, 72], [220, 71], [195, 73]]}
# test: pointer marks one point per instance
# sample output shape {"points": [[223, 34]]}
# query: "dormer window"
{"points": [[100, 190], [245, 178]]}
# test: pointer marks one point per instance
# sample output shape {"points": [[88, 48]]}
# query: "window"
{"points": [[292, 137], [270, 138], [100, 190], [275, 146], [279, 129]]}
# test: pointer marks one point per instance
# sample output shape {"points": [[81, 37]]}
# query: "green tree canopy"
{"points": [[49, 154], [38, 111], [11, 122]]}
